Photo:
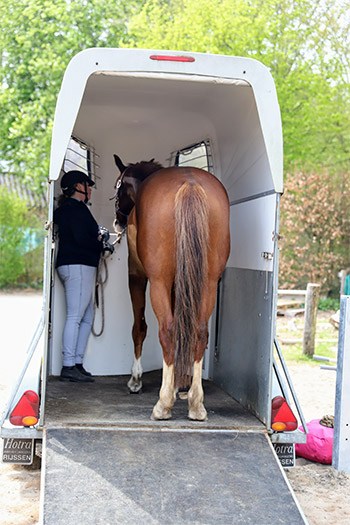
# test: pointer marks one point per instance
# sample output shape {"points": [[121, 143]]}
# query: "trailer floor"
{"points": [[108, 402], [105, 462]]}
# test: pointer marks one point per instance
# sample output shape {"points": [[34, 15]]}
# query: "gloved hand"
{"points": [[108, 248]]}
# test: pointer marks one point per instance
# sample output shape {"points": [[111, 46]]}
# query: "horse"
{"points": [[177, 222]]}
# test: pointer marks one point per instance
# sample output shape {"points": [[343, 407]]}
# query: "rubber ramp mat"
{"points": [[151, 477]]}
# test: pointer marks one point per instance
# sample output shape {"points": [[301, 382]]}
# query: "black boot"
{"points": [[71, 373], [82, 370]]}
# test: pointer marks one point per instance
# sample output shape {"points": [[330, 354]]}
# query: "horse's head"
{"points": [[126, 188], [124, 196]]}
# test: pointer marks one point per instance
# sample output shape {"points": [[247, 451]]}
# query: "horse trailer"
{"points": [[221, 114]]}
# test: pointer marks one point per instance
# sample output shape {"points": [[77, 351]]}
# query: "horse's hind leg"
{"points": [[137, 287], [196, 409], [161, 302], [163, 408]]}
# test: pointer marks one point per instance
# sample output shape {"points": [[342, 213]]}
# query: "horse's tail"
{"points": [[191, 234]]}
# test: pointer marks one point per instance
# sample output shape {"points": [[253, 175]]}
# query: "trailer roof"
{"points": [[101, 65]]}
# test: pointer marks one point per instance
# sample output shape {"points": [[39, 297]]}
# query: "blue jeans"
{"points": [[79, 282]]}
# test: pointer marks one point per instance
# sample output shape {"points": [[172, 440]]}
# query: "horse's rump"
{"points": [[182, 238]]}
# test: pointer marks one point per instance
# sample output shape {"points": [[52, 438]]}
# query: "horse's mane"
{"points": [[141, 170]]}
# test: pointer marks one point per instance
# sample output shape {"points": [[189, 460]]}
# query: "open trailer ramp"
{"points": [[98, 476], [105, 461]]}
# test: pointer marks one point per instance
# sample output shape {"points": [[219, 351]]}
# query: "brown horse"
{"points": [[178, 238]]}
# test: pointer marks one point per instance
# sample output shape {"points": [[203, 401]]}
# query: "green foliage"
{"points": [[329, 304], [304, 43], [37, 40], [32, 275], [13, 218], [315, 229], [18, 262]]}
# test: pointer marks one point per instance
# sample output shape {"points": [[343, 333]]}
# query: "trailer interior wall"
{"points": [[141, 116]]}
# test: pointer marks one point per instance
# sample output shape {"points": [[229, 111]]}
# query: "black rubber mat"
{"points": [[153, 476], [107, 401]]}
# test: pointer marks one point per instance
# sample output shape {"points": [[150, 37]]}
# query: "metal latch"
{"points": [[267, 256]]}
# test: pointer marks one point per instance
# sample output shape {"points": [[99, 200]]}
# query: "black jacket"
{"points": [[77, 232]]}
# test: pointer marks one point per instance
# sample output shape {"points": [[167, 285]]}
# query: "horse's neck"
{"points": [[134, 185], [139, 177]]}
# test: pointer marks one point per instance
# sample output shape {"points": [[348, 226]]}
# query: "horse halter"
{"points": [[116, 195], [118, 226]]}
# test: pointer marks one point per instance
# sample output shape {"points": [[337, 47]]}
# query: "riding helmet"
{"points": [[74, 177]]}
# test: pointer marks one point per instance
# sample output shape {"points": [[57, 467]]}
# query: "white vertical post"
{"points": [[341, 445]]}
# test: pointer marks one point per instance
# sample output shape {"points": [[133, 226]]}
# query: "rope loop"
{"points": [[101, 279]]}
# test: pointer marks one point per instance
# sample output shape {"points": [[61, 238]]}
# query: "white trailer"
{"points": [[216, 112]]}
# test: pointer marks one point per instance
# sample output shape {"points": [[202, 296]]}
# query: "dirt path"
{"points": [[322, 492]]}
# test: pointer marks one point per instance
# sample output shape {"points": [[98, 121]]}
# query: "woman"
{"points": [[79, 251]]}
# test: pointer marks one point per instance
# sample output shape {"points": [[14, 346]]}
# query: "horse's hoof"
{"points": [[134, 386], [198, 415], [182, 395], [163, 417], [159, 414]]}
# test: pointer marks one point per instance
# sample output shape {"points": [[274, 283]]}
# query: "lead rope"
{"points": [[99, 286]]}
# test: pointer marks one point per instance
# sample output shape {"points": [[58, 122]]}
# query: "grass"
{"points": [[289, 333], [329, 303]]}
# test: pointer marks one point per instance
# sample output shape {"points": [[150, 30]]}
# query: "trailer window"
{"points": [[197, 155], [79, 156]]}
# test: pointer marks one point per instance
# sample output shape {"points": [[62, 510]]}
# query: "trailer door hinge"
{"points": [[276, 237]]}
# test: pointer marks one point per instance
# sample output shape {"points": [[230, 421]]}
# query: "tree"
{"points": [[315, 230], [37, 40], [306, 45], [13, 224]]}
